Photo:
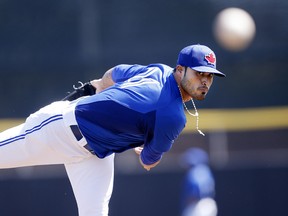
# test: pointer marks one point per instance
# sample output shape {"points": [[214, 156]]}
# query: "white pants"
{"points": [[46, 138]]}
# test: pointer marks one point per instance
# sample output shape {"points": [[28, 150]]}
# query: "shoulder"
{"points": [[160, 67], [125, 71], [138, 67], [127, 67]]}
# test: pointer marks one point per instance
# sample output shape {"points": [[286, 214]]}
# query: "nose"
{"points": [[204, 81]]}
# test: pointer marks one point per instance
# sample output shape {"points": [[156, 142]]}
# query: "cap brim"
{"points": [[209, 70]]}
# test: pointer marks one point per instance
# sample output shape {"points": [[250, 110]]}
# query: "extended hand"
{"points": [[138, 151]]}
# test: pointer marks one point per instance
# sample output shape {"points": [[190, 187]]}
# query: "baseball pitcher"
{"points": [[135, 107]]}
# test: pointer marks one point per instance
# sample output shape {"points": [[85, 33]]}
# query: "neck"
{"points": [[187, 110], [184, 95]]}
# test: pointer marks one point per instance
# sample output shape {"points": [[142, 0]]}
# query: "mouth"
{"points": [[203, 89]]}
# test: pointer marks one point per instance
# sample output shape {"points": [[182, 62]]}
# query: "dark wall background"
{"points": [[47, 46]]}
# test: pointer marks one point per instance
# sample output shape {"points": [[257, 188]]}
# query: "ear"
{"points": [[179, 73], [179, 68]]}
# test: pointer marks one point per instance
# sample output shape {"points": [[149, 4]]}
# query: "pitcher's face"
{"points": [[196, 83]]}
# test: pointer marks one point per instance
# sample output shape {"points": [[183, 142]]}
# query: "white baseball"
{"points": [[234, 29]]}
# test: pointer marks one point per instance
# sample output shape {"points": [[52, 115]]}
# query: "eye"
{"points": [[211, 74], [200, 73]]}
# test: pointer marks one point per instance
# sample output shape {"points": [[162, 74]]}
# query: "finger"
{"points": [[138, 150]]}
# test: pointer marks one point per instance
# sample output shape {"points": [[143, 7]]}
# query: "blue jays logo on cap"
{"points": [[210, 58], [200, 58]]}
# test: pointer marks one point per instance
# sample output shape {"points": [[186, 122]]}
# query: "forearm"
{"points": [[105, 82]]}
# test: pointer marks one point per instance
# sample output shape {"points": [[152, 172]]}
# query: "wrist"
{"points": [[148, 167]]}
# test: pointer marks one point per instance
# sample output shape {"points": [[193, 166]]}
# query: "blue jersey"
{"points": [[143, 107]]}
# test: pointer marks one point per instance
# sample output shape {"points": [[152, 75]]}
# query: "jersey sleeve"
{"points": [[167, 129], [123, 72]]}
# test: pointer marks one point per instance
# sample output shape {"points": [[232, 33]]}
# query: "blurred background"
{"points": [[47, 46]]}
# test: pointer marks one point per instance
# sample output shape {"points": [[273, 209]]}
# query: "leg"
{"points": [[92, 183], [18, 150], [12, 148], [42, 139]]}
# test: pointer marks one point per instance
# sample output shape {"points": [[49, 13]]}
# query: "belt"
{"points": [[78, 135]]}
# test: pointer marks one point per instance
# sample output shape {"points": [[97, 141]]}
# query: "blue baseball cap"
{"points": [[200, 58]]}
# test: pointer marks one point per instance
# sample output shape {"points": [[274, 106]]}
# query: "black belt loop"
{"points": [[78, 135], [75, 130]]}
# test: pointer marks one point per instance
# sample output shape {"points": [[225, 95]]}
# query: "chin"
{"points": [[200, 97]]}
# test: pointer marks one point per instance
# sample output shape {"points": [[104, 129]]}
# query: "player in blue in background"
{"points": [[198, 189], [135, 106]]}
